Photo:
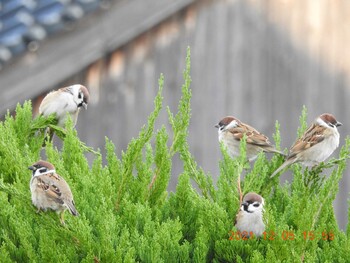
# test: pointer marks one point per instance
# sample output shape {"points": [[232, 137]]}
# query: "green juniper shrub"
{"points": [[127, 214]]}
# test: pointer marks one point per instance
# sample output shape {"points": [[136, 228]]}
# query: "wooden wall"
{"points": [[260, 61]]}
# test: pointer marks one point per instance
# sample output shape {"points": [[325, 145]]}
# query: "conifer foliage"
{"points": [[127, 214]]}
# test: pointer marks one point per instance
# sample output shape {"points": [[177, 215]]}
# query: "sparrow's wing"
{"points": [[50, 103], [57, 189], [313, 135], [58, 102], [253, 136], [49, 183]]}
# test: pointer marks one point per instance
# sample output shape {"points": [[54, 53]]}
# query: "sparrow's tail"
{"points": [[284, 165], [72, 209], [274, 150]]}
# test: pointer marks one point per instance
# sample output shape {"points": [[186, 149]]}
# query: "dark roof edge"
{"points": [[67, 53]]}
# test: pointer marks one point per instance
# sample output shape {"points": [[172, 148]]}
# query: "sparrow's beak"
{"points": [[338, 124], [85, 105], [32, 168], [217, 126]]}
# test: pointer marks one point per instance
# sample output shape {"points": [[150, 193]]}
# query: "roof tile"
{"points": [[23, 22]]}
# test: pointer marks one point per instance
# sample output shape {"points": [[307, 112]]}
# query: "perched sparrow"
{"points": [[232, 130], [317, 143], [65, 100], [49, 190], [249, 220]]}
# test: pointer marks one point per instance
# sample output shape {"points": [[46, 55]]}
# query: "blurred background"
{"points": [[260, 61]]}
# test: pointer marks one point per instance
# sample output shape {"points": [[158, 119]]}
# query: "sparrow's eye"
{"points": [[256, 205], [79, 96], [42, 170]]}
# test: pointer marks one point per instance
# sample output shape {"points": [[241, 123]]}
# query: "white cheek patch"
{"points": [[231, 125], [256, 206], [38, 173], [322, 123]]}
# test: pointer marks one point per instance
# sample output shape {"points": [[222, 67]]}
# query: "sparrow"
{"points": [[50, 190], [231, 131], [317, 143], [61, 102], [249, 219], [65, 100]]}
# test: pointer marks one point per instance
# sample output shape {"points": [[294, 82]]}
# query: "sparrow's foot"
{"points": [[62, 218]]}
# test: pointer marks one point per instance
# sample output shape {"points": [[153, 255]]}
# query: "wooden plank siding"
{"points": [[246, 62]]}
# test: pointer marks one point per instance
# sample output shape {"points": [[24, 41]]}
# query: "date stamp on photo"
{"points": [[286, 235]]}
